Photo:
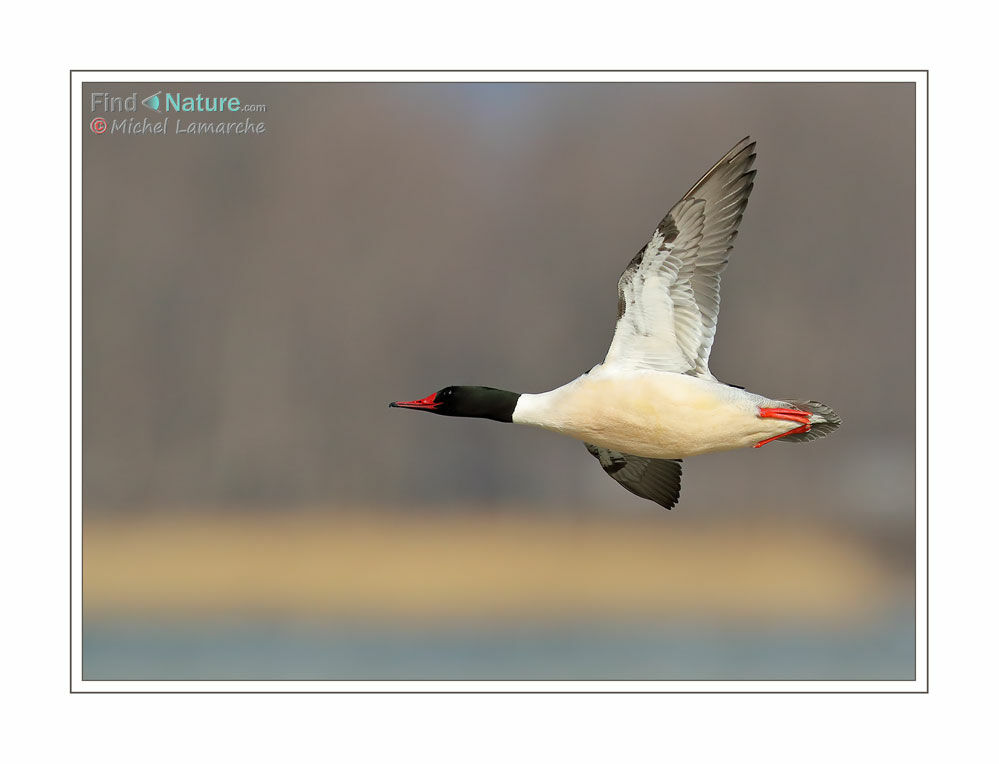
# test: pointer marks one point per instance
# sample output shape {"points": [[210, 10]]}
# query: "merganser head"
{"points": [[467, 400]]}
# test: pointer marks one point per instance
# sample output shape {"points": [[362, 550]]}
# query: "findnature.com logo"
{"points": [[164, 103]]}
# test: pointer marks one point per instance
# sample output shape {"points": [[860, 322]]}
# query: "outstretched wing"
{"points": [[654, 479], [668, 295]]}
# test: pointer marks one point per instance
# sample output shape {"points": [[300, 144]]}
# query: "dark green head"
{"points": [[467, 400]]}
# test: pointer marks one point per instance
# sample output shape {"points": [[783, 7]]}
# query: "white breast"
{"points": [[659, 415]]}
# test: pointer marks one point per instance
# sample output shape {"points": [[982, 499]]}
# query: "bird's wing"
{"points": [[654, 479], [668, 294]]}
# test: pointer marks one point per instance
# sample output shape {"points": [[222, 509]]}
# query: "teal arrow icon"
{"points": [[153, 101]]}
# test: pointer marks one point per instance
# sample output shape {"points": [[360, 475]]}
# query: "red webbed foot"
{"points": [[791, 415]]}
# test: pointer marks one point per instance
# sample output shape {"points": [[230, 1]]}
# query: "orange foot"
{"points": [[791, 415]]}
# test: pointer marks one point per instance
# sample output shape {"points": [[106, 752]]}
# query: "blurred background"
{"points": [[254, 510]]}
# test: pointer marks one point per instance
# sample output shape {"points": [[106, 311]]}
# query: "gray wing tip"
{"points": [[742, 153], [746, 146]]}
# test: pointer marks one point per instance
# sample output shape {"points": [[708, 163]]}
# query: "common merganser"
{"points": [[653, 400]]}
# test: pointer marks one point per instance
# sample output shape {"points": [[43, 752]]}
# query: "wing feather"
{"points": [[668, 296], [655, 479]]}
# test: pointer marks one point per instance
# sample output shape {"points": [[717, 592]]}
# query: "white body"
{"points": [[660, 415]]}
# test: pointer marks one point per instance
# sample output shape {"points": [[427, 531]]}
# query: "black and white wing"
{"points": [[654, 479], [668, 295]]}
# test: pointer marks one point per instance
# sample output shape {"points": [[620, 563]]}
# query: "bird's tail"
{"points": [[823, 421]]}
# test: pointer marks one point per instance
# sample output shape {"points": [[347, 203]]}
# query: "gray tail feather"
{"points": [[824, 421]]}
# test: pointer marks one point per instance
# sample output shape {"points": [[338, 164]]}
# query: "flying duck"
{"points": [[653, 400]]}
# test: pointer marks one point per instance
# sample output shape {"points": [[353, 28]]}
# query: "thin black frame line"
{"points": [[915, 624], [925, 690], [927, 287], [583, 71], [71, 384], [496, 692]]}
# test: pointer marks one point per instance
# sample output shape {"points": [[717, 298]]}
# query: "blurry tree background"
{"points": [[252, 303]]}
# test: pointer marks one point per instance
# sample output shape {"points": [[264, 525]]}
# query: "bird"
{"points": [[653, 401]]}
